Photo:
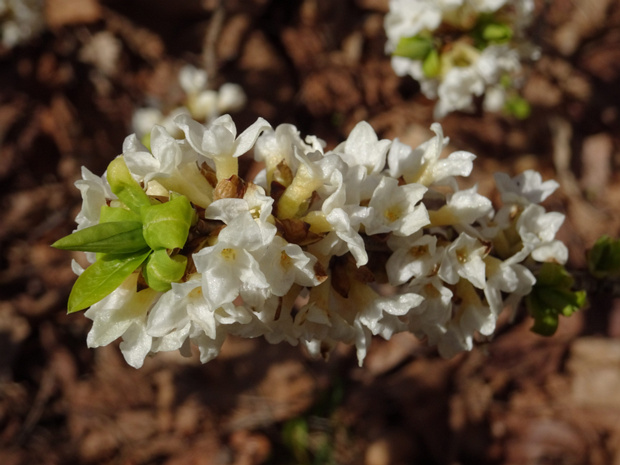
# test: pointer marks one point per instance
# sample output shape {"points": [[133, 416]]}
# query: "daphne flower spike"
{"points": [[323, 247]]}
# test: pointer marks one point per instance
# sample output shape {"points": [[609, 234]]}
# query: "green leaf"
{"points": [[497, 33], [414, 48], [115, 237], [161, 270], [166, 225], [604, 258], [431, 65], [125, 186], [295, 435], [552, 296], [103, 277], [518, 107], [110, 214]]}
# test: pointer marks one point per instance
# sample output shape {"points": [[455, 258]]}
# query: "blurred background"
{"points": [[72, 75]]}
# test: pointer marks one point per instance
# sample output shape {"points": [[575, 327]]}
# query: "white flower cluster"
{"points": [[201, 103], [460, 49], [20, 20], [371, 238]]}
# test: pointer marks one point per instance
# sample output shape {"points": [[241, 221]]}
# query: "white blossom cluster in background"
{"points": [[324, 246], [20, 20], [200, 102], [461, 49]]}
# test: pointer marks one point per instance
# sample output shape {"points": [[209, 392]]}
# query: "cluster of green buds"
{"points": [[135, 232]]}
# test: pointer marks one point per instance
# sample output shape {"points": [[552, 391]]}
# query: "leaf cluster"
{"points": [[139, 233], [552, 296]]}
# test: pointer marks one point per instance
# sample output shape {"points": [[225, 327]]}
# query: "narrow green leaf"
{"points": [[125, 186], [116, 237], [414, 48], [103, 277], [166, 226], [160, 270]]}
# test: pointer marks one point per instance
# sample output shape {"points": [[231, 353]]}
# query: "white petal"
{"points": [[247, 138], [136, 345]]}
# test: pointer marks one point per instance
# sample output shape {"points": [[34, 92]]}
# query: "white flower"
{"points": [[368, 313], [408, 18], [167, 155], [315, 173], [496, 61], [395, 209], [275, 314], [219, 142], [144, 119], [228, 272], [258, 203], [279, 146], [284, 264], [380, 315], [525, 188], [457, 90], [183, 314], [230, 98], [203, 106], [344, 222], [230, 268], [468, 206], [537, 229], [423, 164], [244, 229], [462, 209], [472, 316], [508, 277], [123, 314], [430, 317], [413, 257], [172, 164], [192, 79], [95, 190], [219, 139], [180, 310], [206, 104], [364, 148], [464, 259], [494, 99]]}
